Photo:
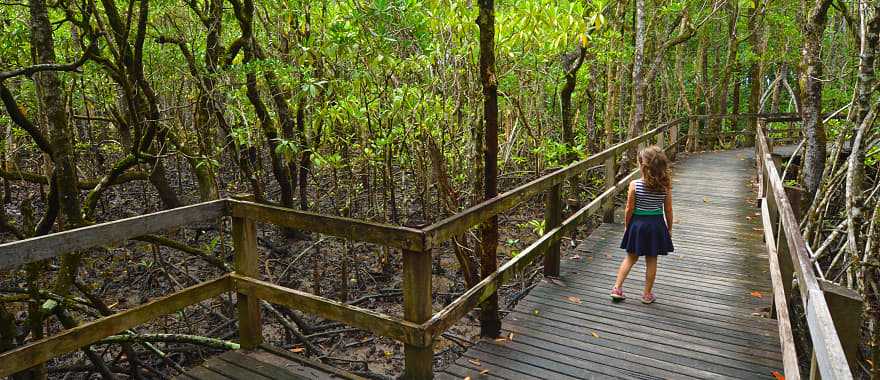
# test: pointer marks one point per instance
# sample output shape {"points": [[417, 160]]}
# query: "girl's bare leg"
{"points": [[625, 266], [650, 273]]}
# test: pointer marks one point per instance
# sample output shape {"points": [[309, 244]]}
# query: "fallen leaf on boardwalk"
{"points": [[757, 294], [555, 281], [483, 372], [535, 312], [475, 362], [573, 299], [500, 340], [778, 376], [575, 257], [757, 229], [594, 334], [297, 349], [510, 336], [705, 199], [467, 378]]}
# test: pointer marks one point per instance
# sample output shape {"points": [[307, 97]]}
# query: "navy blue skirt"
{"points": [[647, 235]]}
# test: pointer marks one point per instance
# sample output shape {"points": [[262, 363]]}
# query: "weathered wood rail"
{"points": [[790, 259], [419, 326]]}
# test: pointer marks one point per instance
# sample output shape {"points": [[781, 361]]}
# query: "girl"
{"points": [[648, 199]]}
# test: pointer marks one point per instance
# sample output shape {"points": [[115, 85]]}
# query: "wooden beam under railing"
{"points": [[366, 319], [67, 341], [780, 302]]}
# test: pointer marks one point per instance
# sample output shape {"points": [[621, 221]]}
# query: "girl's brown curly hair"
{"points": [[655, 168]]}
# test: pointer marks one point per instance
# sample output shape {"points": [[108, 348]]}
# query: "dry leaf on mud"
{"points": [[297, 349]]}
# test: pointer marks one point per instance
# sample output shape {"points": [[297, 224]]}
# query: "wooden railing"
{"points": [[790, 259], [244, 280], [419, 326]]}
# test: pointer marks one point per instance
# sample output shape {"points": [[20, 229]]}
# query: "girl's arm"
{"points": [[667, 208], [630, 203]]}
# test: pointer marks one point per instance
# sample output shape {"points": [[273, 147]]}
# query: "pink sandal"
{"points": [[617, 294], [648, 298]]}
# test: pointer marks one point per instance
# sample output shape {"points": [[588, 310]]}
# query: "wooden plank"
{"points": [[467, 366], [70, 340], [262, 368], [250, 326], [584, 340], [417, 301], [535, 367], [45, 247], [201, 373], [454, 225], [309, 363], [232, 371], [358, 230], [378, 323], [672, 337]]}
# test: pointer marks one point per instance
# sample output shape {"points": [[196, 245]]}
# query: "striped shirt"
{"points": [[647, 199]]}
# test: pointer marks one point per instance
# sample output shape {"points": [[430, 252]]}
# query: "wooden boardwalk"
{"points": [[711, 293]]}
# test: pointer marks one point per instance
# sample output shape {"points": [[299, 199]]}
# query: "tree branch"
{"points": [[31, 70]]}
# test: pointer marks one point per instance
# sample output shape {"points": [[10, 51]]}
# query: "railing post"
{"points": [[673, 139], [610, 181], [417, 301], [552, 219], [786, 265], [693, 138], [244, 236], [845, 306], [661, 139]]}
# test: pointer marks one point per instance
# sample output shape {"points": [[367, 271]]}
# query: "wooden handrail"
{"points": [[829, 354], [354, 229], [39, 248]]}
